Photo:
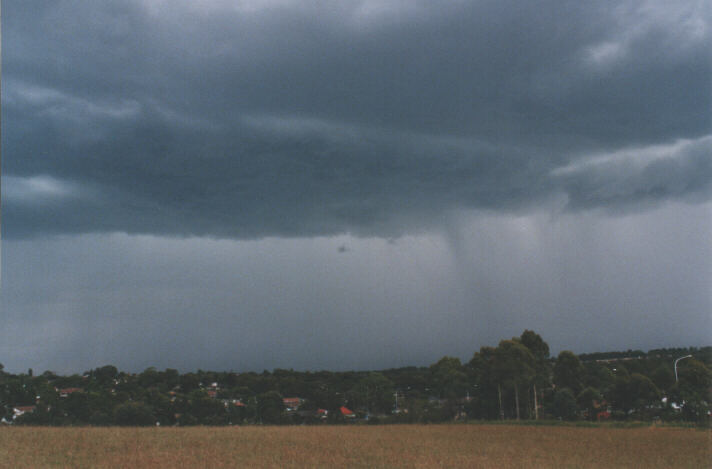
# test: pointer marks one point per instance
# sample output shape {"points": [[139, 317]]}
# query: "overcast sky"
{"points": [[351, 184]]}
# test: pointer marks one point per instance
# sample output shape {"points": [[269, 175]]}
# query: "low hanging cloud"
{"points": [[278, 118], [632, 177]]}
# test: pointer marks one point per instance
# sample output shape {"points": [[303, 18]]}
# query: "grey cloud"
{"points": [[296, 119], [638, 176], [585, 281]]}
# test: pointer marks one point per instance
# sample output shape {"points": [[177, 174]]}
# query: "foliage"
{"points": [[515, 379], [589, 400], [564, 405], [134, 414], [568, 372]]}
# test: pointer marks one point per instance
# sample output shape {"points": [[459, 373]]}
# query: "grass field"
{"points": [[486, 446]]}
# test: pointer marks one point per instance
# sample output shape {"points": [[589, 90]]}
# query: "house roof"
{"points": [[70, 390], [25, 408]]}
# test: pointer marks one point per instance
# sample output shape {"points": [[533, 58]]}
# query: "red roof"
{"points": [[345, 411], [25, 408]]}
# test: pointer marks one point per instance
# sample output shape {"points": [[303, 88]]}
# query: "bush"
{"points": [[134, 414], [565, 404], [99, 419]]}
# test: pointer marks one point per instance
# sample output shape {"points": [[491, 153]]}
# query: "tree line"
{"points": [[517, 379]]}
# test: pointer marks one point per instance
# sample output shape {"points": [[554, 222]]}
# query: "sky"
{"points": [[260, 184]]}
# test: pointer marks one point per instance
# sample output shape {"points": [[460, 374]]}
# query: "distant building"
{"points": [[292, 403], [346, 412], [67, 391], [22, 410], [234, 402]]}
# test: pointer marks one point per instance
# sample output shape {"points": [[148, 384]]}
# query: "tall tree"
{"points": [[449, 378], [485, 384], [374, 392], [540, 351], [514, 367], [642, 391], [564, 404], [568, 372]]}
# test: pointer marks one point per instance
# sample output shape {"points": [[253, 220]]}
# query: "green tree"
{"points": [[663, 377], [620, 393], [564, 404], [588, 399], [373, 392], [134, 414], [76, 405], [694, 389], [568, 372], [270, 407], [189, 382], [513, 365], [486, 386], [448, 378], [694, 376], [598, 376], [535, 344], [540, 350], [205, 409], [643, 392], [99, 419], [105, 374]]}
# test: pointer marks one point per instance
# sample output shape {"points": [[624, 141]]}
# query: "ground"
{"points": [[392, 446]]}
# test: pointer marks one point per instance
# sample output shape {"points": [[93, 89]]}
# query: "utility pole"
{"points": [[675, 366], [499, 394]]}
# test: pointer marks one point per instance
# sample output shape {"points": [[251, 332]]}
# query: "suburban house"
{"points": [[22, 410], [234, 402], [312, 415], [292, 403], [67, 391]]}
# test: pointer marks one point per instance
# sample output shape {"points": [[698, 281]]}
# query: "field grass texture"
{"points": [[391, 446]]}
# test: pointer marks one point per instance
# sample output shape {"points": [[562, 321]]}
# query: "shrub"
{"points": [[134, 414]]}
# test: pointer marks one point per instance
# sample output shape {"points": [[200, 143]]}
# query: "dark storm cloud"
{"points": [[633, 177], [249, 119]]}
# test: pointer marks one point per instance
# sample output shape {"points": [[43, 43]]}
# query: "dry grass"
{"points": [[486, 446]]}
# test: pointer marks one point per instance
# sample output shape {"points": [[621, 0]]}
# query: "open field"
{"points": [[487, 446]]}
